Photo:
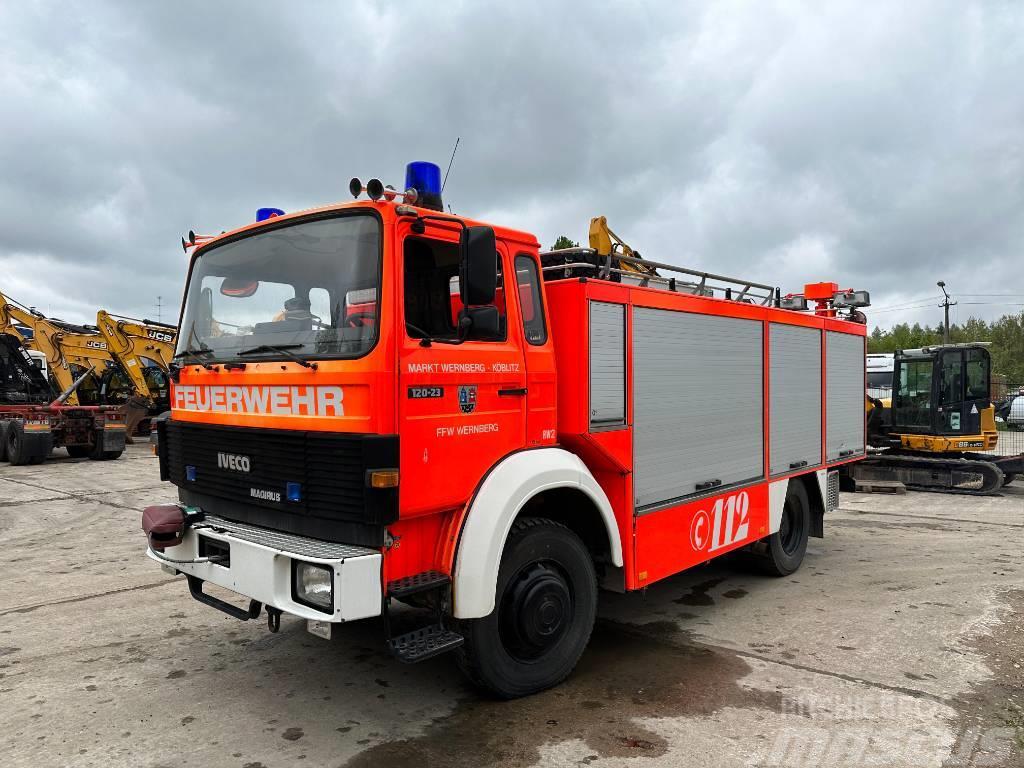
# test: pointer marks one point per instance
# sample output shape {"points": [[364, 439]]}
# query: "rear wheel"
{"points": [[545, 605], [98, 455], [3, 440], [1009, 477], [787, 547], [17, 451]]}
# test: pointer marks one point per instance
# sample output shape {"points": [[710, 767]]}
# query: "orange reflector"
{"points": [[383, 478]]}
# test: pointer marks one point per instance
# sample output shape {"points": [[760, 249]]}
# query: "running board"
{"points": [[427, 641], [424, 643]]}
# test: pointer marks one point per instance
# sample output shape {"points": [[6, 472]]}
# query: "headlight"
{"points": [[313, 585]]}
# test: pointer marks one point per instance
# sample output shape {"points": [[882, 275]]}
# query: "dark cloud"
{"points": [[878, 145]]}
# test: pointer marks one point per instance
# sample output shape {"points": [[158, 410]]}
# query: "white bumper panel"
{"points": [[261, 568]]}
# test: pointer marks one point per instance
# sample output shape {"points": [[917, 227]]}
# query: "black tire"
{"points": [[1009, 477], [3, 440], [15, 441], [545, 606], [78, 451], [98, 455], [786, 548]]}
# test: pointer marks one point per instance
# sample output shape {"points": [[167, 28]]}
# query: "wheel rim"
{"points": [[791, 529], [536, 611]]}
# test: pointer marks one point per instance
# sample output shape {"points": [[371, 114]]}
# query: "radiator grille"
{"points": [[330, 467]]}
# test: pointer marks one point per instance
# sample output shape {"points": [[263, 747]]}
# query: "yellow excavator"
{"points": [[937, 432], [70, 351], [606, 244], [145, 349]]}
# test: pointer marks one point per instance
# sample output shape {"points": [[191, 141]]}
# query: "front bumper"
{"points": [[260, 568]]}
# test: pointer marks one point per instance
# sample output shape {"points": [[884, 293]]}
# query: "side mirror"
{"points": [[478, 267], [483, 323], [204, 314]]}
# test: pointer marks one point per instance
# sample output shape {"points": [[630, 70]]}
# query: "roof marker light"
{"points": [[262, 214]]}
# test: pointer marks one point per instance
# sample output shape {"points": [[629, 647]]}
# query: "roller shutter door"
{"points": [[844, 367], [697, 412], [607, 364], [795, 395]]}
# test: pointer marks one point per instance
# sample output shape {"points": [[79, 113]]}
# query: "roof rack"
{"points": [[736, 289]]}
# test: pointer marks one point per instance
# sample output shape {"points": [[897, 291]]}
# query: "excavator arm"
{"points": [[138, 344], [67, 347], [606, 243]]}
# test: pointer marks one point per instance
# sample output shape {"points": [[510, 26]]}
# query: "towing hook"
{"points": [[273, 619]]}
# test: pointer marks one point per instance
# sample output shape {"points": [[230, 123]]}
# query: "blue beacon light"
{"points": [[262, 214], [425, 178]]}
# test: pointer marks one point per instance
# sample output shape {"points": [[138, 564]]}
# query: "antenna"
{"points": [[159, 318], [452, 160]]}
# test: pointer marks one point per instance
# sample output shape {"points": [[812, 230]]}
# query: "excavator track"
{"points": [[970, 477]]}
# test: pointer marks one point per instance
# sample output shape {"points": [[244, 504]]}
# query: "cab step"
{"points": [[418, 582], [424, 643]]}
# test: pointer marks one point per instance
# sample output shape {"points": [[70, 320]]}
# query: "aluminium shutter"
{"points": [[795, 396], [844, 367], [607, 364], [698, 397]]}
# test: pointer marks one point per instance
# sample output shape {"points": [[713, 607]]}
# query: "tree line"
{"points": [[1006, 335]]}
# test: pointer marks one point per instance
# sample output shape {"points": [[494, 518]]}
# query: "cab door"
{"points": [[462, 406], [963, 392]]}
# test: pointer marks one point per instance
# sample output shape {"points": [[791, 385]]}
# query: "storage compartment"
{"points": [[794, 385], [698, 406], [844, 365], [607, 364]]}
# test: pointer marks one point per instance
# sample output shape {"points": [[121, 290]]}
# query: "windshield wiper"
{"points": [[194, 353], [282, 350]]}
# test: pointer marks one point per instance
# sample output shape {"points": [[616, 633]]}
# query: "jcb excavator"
{"points": [[70, 351], [145, 349], [938, 430]]}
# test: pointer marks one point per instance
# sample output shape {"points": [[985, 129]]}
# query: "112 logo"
{"points": [[727, 523]]}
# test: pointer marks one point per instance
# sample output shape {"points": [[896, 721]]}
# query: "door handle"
{"points": [[514, 392]]}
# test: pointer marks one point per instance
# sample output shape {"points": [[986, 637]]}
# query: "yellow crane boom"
{"points": [[69, 349], [143, 347]]}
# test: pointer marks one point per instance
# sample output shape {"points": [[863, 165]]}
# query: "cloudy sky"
{"points": [[879, 145]]}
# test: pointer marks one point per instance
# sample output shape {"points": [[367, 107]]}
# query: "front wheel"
{"points": [[545, 606], [786, 548]]}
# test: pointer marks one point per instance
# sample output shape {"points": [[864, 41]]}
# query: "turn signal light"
{"points": [[382, 478]]}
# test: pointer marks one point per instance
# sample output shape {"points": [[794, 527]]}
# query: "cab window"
{"points": [[528, 281], [977, 375], [431, 290]]}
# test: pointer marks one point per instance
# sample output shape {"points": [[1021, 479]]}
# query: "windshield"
{"points": [[310, 289], [880, 379]]}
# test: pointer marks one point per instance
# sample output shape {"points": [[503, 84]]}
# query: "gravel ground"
{"points": [[899, 643]]}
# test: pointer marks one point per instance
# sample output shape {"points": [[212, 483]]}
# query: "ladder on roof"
{"points": [[636, 271]]}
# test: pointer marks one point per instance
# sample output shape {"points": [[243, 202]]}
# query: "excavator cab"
{"points": [[943, 391]]}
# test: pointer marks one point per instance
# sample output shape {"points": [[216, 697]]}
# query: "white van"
{"points": [[879, 370], [39, 358], [1015, 416]]}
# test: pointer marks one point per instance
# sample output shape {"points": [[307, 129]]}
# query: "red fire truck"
{"points": [[378, 402]]}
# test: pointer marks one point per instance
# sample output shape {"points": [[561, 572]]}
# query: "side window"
{"points": [[952, 378], [530, 300], [977, 375], [431, 290]]}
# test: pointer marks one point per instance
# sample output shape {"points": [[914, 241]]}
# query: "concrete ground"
{"points": [[899, 643]]}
